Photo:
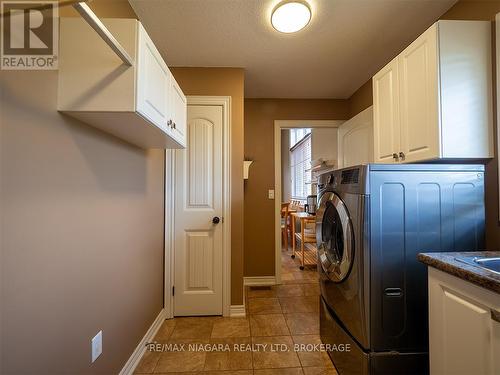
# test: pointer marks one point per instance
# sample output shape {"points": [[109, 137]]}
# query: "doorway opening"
{"points": [[303, 149]]}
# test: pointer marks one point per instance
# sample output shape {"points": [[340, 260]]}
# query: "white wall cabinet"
{"points": [[141, 104], [355, 140], [386, 132], [178, 122], [464, 327], [434, 100]]}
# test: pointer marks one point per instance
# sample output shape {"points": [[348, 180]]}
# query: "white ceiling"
{"points": [[346, 42]]}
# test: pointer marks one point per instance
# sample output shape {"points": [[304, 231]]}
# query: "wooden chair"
{"points": [[285, 228]]}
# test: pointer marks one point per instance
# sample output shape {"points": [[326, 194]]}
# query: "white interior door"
{"points": [[198, 238]]}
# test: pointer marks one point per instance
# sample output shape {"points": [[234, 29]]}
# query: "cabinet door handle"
{"points": [[402, 155], [169, 122], [495, 315], [395, 156], [174, 125]]}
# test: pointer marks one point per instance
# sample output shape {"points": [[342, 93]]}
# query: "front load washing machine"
{"points": [[372, 221]]}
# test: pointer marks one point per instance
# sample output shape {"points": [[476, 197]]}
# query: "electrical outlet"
{"points": [[96, 346], [270, 194]]}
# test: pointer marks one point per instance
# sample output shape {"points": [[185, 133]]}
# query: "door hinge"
{"points": [[173, 290]]}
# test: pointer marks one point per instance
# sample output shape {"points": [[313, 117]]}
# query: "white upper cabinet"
{"points": [[153, 82], [178, 122], [136, 103], [386, 111], [418, 98], [355, 140], [434, 100]]}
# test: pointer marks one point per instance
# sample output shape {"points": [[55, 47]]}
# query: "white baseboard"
{"points": [[139, 351], [237, 311], [259, 280]]}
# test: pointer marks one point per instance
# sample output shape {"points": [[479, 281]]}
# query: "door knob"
{"points": [[216, 220]]}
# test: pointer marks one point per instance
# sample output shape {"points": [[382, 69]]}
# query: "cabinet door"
{"points": [[179, 111], [386, 113], [152, 82], [355, 140], [418, 78], [464, 336]]}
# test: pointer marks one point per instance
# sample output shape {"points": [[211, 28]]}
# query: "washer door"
{"points": [[334, 237]]}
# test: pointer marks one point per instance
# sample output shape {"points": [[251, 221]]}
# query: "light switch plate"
{"points": [[271, 194], [96, 346]]}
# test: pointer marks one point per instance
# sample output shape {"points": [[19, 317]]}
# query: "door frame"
{"points": [[278, 126], [169, 261]]}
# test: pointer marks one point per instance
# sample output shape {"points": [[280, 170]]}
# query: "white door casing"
{"points": [[190, 209]]}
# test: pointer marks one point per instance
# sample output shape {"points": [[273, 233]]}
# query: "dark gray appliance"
{"points": [[372, 221]]}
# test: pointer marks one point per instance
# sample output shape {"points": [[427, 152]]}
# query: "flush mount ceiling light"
{"points": [[291, 16]]}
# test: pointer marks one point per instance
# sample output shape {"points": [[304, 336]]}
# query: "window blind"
{"points": [[300, 164]]}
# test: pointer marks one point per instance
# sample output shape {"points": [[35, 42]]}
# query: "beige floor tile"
{"points": [[319, 371], [303, 323], [147, 363], [286, 276], [181, 361], [229, 359], [264, 306], [273, 356], [279, 371], [193, 328], [237, 372], [165, 330], [261, 292], [268, 325], [231, 327], [309, 356], [311, 289], [300, 304], [289, 290]]}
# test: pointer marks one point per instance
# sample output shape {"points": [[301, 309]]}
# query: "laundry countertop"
{"points": [[446, 262]]}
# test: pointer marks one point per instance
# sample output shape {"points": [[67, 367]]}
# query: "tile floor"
{"points": [[286, 314]]}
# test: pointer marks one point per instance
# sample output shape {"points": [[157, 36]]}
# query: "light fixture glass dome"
{"points": [[290, 17]]}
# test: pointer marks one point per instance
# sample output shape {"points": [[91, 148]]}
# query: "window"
{"points": [[300, 162]]}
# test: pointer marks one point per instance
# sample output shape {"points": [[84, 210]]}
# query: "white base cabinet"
{"points": [[142, 104], [434, 100], [464, 327]]}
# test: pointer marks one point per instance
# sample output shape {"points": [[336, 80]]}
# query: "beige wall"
{"points": [[361, 99], [225, 82], [82, 235], [259, 147]]}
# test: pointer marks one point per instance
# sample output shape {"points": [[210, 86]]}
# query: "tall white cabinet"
{"points": [[142, 103], [434, 100], [464, 327]]}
